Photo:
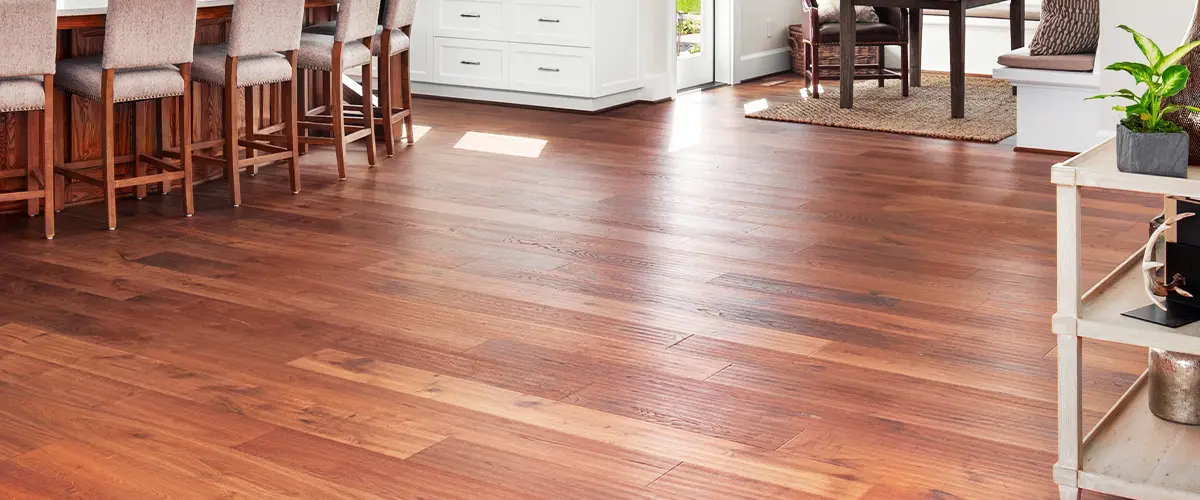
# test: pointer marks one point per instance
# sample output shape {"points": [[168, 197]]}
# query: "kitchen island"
{"points": [[76, 131]]}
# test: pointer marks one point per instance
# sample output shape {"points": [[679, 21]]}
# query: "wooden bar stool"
{"points": [[348, 47], [147, 55], [259, 31], [28, 34], [391, 38]]}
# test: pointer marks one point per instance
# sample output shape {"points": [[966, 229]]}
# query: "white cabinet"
{"points": [[459, 61], [577, 54], [549, 69]]}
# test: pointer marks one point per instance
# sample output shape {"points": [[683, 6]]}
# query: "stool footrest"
{"points": [[147, 179]]}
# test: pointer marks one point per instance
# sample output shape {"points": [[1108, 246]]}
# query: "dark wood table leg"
{"points": [[1017, 20], [847, 39], [958, 59], [916, 23]]}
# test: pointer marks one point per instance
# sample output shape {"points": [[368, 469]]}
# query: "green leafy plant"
{"points": [[687, 26], [1163, 79]]}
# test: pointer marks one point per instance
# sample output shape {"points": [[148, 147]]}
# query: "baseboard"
{"points": [[657, 87], [525, 99], [763, 63], [1052, 152]]}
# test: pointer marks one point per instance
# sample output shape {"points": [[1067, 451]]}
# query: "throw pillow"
{"points": [[829, 11], [1067, 27]]}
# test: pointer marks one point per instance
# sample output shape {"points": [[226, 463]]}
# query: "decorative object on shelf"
{"points": [[1174, 380], [1191, 94], [1169, 300], [1148, 143]]}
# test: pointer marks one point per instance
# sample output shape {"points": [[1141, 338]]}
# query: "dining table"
{"points": [[958, 43]]}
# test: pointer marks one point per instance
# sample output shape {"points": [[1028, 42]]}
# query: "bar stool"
{"points": [[348, 47], [28, 34], [144, 40], [258, 32], [391, 38]]}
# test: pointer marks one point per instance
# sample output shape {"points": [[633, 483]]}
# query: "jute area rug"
{"points": [[991, 109]]}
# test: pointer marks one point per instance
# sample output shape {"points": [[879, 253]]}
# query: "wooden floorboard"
{"points": [[672, 301]]}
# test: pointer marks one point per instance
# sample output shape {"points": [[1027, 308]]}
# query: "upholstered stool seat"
{"points": [[400, 41], [22, 93], [316, 52], [82, 76], [209, 67]]}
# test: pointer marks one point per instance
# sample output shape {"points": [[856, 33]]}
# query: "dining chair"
{"points": [[392, 38], [28, 32], [264, 37], [350, 45], [147, 56]]}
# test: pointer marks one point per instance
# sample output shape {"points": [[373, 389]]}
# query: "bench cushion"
{"points": [[1020, 58]]}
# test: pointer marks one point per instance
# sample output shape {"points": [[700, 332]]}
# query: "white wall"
{"points": [[1166, 23], [761, 46], [657, 46]]}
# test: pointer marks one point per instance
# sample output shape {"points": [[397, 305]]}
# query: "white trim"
{"points": [[763, 63], [525, 98]]}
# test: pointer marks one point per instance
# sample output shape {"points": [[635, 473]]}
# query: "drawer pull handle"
{"points": [[471, 63], [548, 20], [549, 70], [476, 16]]}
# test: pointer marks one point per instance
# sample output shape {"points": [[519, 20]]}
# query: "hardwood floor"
{"points": [[670, 301]]}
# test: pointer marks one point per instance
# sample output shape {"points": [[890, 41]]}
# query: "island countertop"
{"points": [[74, 14]]}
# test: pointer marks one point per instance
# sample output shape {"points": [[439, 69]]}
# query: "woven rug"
{"points": [[991, 114]]}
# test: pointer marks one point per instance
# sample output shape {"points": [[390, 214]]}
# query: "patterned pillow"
{"points": [[829, 11], [1067, 27]]}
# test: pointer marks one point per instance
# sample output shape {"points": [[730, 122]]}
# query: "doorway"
{"points": [[695, 29]]}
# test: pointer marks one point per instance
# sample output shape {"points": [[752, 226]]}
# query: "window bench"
{"points": [[1051, 112]]}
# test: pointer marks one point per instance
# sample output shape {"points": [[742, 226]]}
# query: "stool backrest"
{"points": [[399, 13], [356, 20], [28, 35], [262, 26], [140, 33]]}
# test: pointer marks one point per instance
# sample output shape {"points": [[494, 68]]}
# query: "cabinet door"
{"points": [[551, 22], [474, 19], [421, 51], [547, 69], [471, 63]]}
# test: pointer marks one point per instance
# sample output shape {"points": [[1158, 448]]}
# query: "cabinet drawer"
{"points": [[472, 63], [551, 70], [554, 22], [477, 19]]}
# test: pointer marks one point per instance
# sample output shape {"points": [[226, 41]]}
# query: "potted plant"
{"points": [[1148, 143]]}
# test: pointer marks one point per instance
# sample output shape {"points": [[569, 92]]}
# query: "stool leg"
{"points": [[160, 138], [291, 129], [32, 205], [48, 153], [107, 149], [385, 95], [185, 140], [305, 77], [406, 100], [251, 125], [369, 111], [229, 123], [139, 167], [338, 110]]}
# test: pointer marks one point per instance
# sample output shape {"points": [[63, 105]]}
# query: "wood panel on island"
{"points": [[76, 127]]}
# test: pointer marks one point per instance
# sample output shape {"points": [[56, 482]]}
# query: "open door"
{"points": [[694, 41]]}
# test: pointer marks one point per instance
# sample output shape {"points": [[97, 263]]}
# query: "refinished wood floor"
{"points": [[671, 301]]}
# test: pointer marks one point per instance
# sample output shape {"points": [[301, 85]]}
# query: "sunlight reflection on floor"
{"points": [[688, 115], [525, 147]]}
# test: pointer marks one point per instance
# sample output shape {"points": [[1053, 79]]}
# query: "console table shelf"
{"points": [[1131, 452]]}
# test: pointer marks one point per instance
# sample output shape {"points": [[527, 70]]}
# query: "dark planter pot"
{"points": [[1153, 154]]}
